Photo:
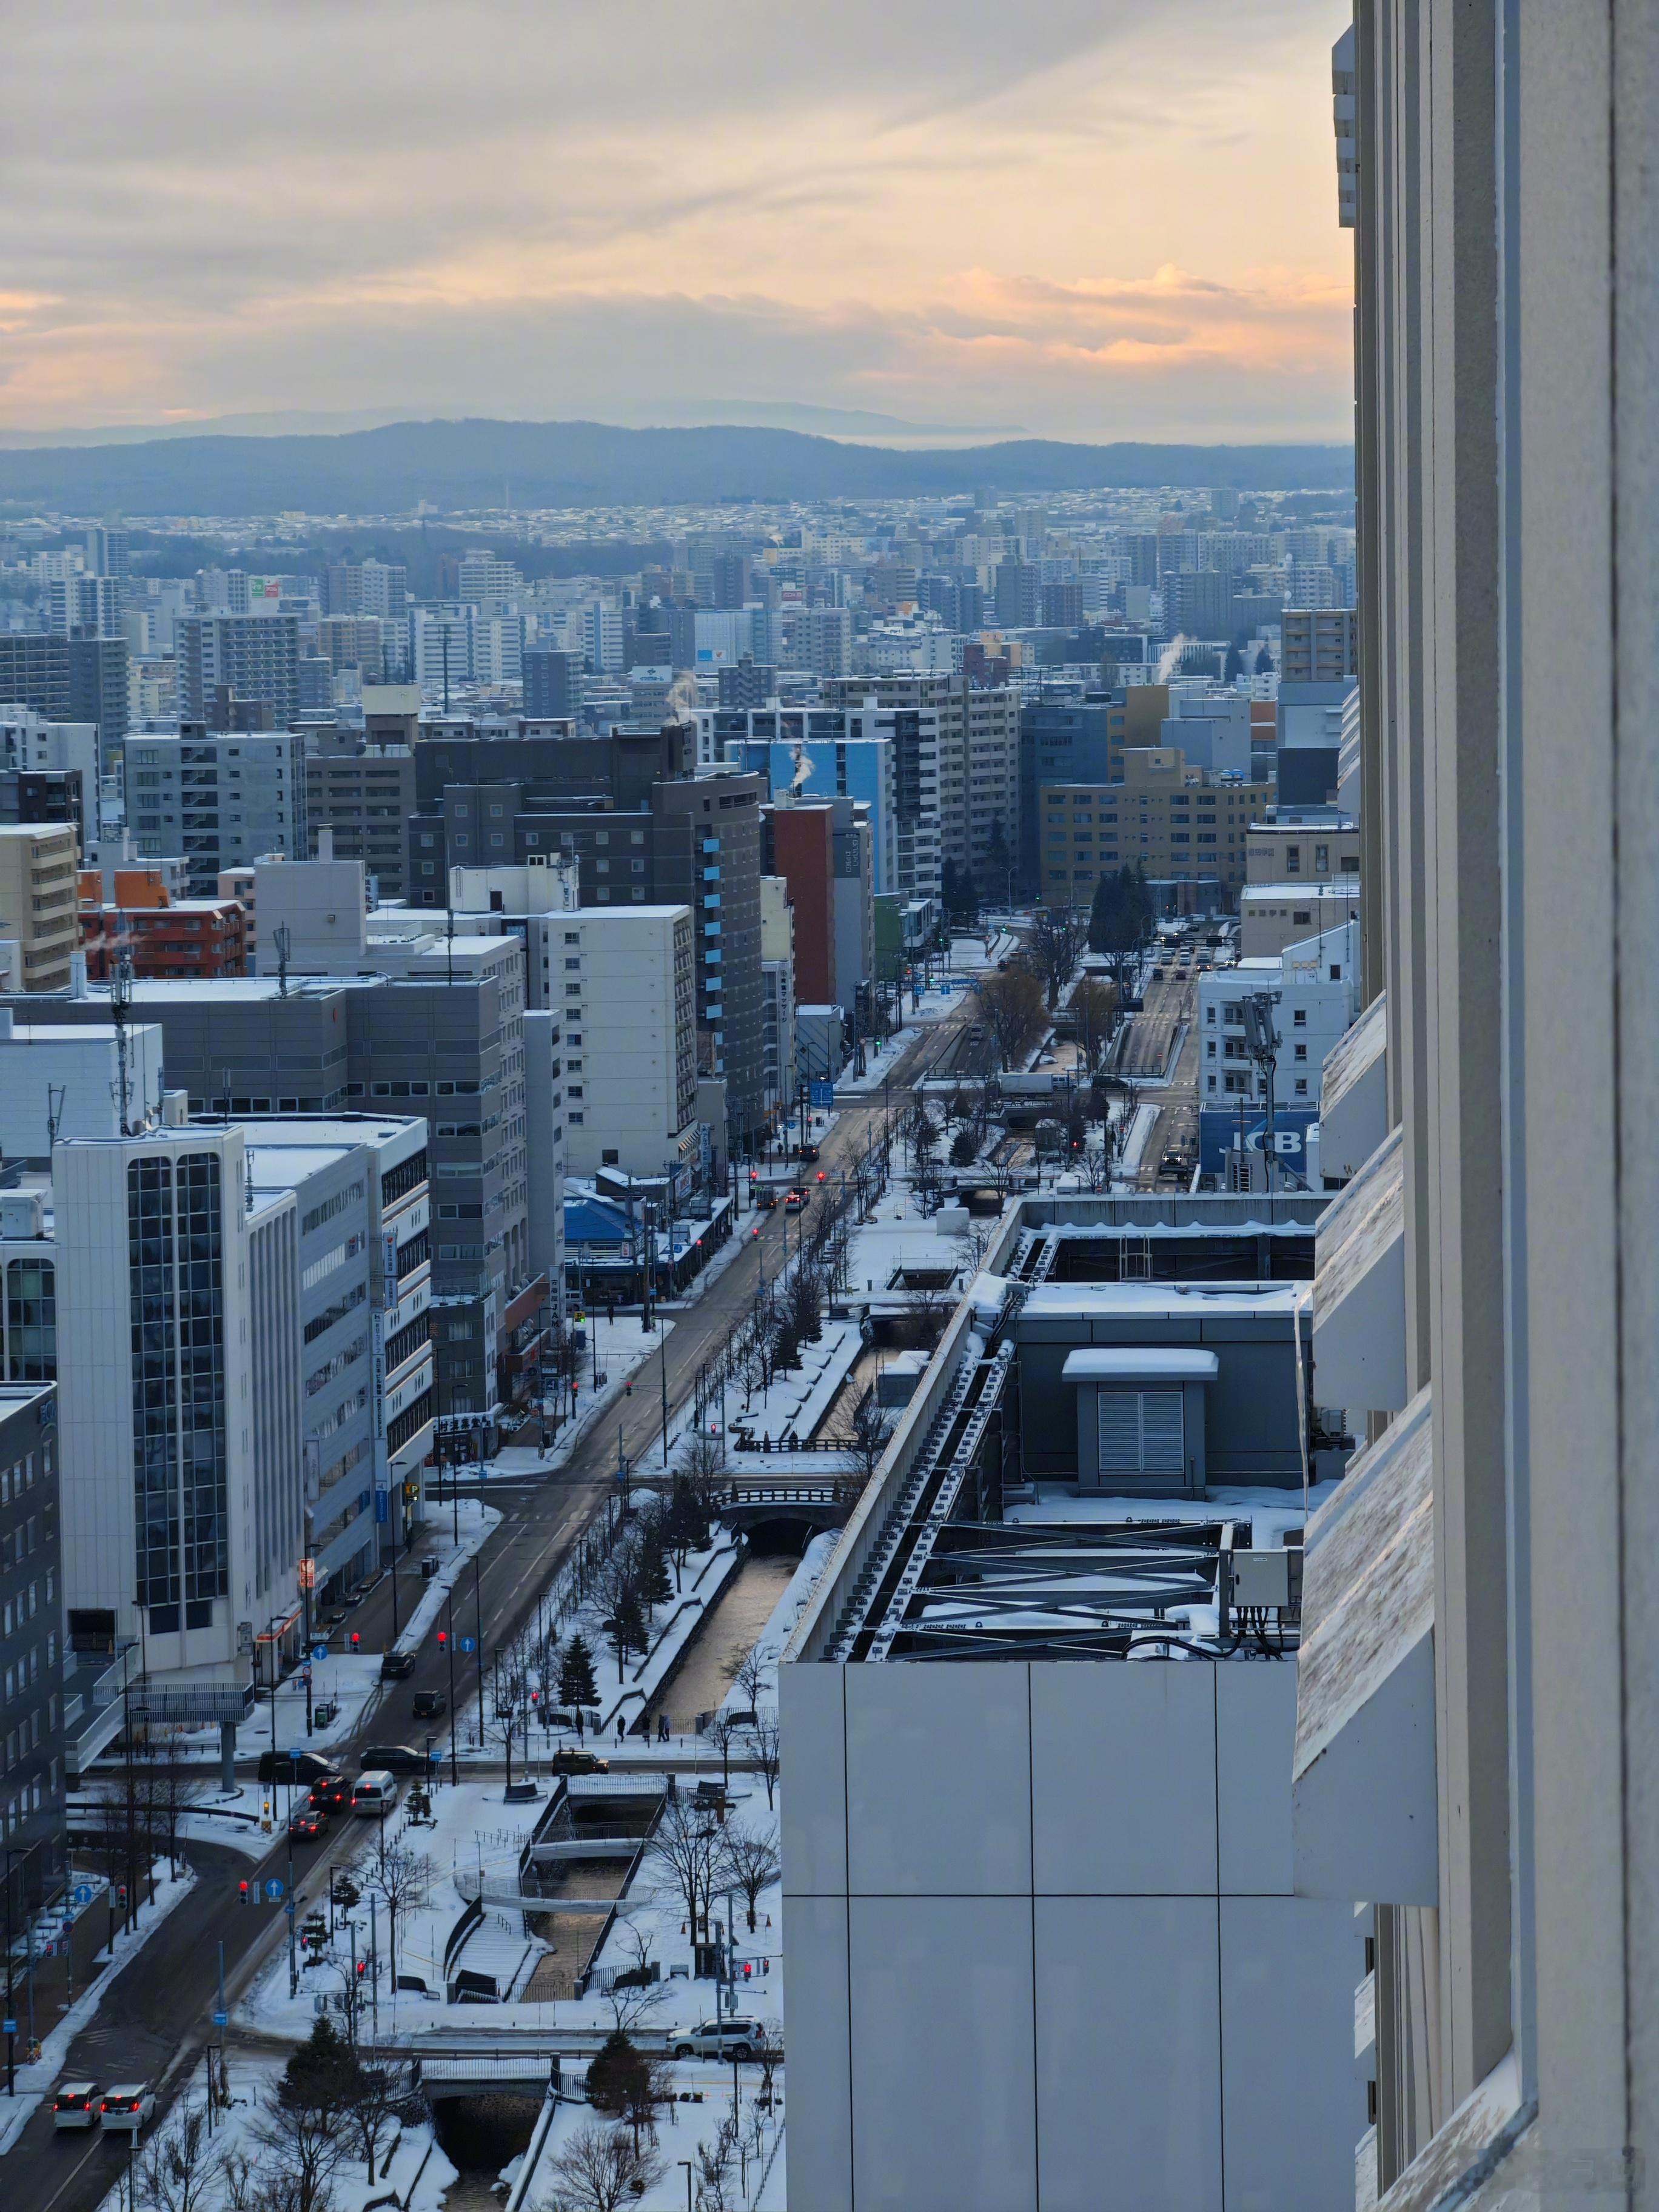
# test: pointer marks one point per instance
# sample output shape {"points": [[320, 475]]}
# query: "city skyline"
{"points": [[1119, 228]]}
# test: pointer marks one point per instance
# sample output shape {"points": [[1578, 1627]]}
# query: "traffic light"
{"points": [[443, 1638], [363, 1968], [245, 1891], [820, 1174], [356, 1640]]}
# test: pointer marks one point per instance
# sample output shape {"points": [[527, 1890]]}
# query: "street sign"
{"points": [[222, 2020], [468, 1644], [10, 2027], [274, 1889], [83, 1893], [320, 1650], [823, 1094], [289, 1908]]}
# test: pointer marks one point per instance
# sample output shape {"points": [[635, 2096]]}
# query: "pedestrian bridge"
{"points": [[815, 1498]]}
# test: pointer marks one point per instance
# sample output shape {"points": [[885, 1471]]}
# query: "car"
{"points": [[375, 1794], [75, 2105], [125, 2108], [766, 1197], [740, 2037], [397, 1759], [331, 1795], [429, 1704], [1173, 1163], [306, 1824], [796, 1202], [307, 1766], [396, 1666], [808, 1151], [568, 1759]]}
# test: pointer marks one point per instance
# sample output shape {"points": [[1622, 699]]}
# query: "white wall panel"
{"points": [[813, 1775], [939, 1779], [818, 2140], [944, 2100], [1255, 1738], [1296, 2100], [1123, 1779], [1129, 2055]]}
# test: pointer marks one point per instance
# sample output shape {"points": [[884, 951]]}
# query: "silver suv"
{"points": [[737, 2038]]}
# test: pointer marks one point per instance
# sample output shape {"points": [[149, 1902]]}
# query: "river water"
{"points": [[727, 1632]]}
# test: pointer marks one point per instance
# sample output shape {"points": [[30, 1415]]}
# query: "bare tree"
{"points": [[402, 1876], [1013, 1006], [171, 1785], [753, 1675], [599, 2168], [713, 2168], [1094, 1015], [749, 1864], [723, 1732], [634, 1994], [764, 1740], [683, 1848], [1054, 947], [377, 2103], [180, 2171], [870, 1433], [305, 2147]]}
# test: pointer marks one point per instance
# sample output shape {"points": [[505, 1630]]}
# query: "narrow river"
{"points": [[717, 1649]]}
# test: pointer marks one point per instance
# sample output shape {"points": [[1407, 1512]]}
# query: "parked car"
{"points": [[397, 1759], [396, 1666], [568, 1759], [737, 2037], [307, 1824], [307, 1766], [331, 1795], [124, 2109], [374, 1794], [75, 2105], [429, 1704]]}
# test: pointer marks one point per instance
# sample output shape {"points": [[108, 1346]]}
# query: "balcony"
{"points": [[1363, 1807], [1359, 1290], [1353, 1103]]}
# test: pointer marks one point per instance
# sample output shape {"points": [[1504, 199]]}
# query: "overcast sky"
{"points": [[1088, 218]]}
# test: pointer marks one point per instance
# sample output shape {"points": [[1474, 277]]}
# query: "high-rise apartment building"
{"points": [[69, 679], [257, 656], [1475, 1761], [1319, 645], [32, 1646], [221, 799], [39, 902], [552, 683], [625, 985], [363, 793]]}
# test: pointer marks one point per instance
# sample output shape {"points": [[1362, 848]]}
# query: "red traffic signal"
{"points": [[820, 1174], [355, 1639], [363, 1968], [754, 1175], [244, 1891], [443, 1638], [535, 1696]]}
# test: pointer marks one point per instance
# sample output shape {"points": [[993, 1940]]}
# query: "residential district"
{"points": [[812, 1388]]}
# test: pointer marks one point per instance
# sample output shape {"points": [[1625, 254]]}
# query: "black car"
{"points": [[307, 1766], [428, 1704], [396, 1758], [396, 1666], [806, 1151]]}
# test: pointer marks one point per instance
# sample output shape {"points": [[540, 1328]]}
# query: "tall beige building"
{"points": [[1477, 1759], [40, 900]]}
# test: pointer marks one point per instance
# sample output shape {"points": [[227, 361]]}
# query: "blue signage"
{"points": [[820, 1093], [1218, 1128], [274, 1890], [83, 1893], [468, 1643], [320, 1650]]}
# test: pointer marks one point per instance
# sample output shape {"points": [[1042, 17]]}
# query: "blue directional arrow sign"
{"points": [[320, 1650], [274, 1889], [468, 1644], [83, 1893]]}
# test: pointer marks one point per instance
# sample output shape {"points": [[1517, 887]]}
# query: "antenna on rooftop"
{"points": [[54, 1113], [120, 1012], [282, 939]]}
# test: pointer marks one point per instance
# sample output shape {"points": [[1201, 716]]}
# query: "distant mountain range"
{"points": [[460, 465]]}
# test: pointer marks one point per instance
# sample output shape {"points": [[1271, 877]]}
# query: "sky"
{"points": [[1086, 219]]}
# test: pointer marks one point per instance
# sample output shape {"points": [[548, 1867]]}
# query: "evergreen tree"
{"points": [[616, 2074], [577, 1685], [1264, 662], [656, 1583], [629, 1631]]}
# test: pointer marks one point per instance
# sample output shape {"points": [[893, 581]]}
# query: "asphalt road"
{"points": [[156, 2018]]}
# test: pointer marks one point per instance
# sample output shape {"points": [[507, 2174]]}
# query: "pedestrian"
{"points": [[578, 1723], [619, 1731], [662, 1728]]}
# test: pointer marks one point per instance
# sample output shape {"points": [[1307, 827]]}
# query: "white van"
{"points": [[376, 1794]]}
